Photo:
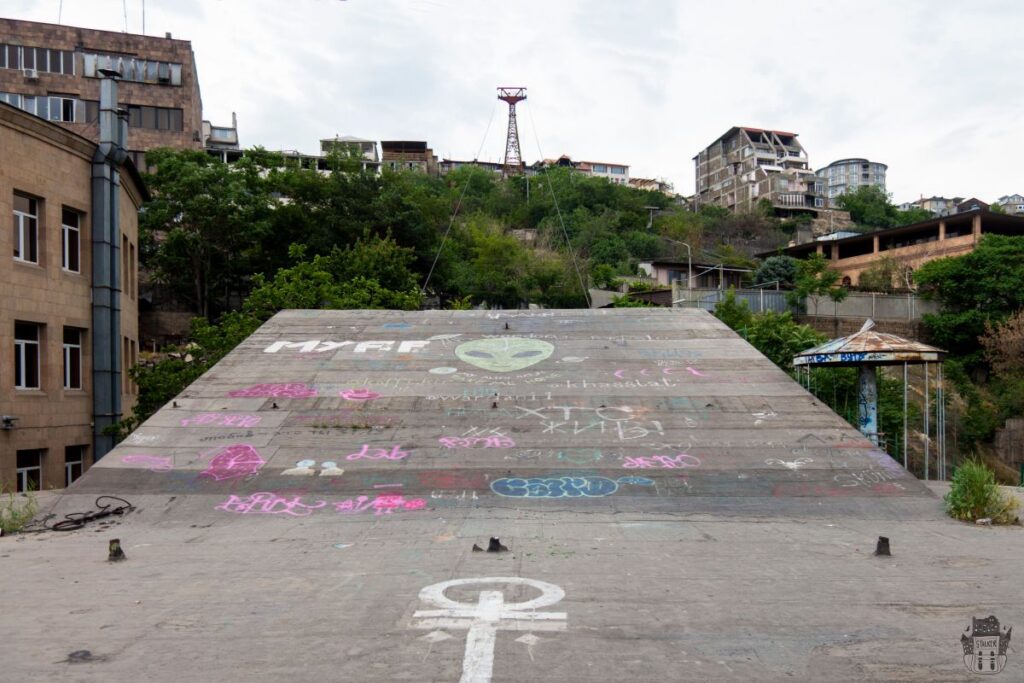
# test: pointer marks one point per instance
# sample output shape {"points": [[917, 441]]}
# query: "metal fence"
{"points": [[856, 305]]}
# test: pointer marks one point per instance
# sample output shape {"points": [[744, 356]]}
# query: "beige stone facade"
{"points": [[910, 245], [50, 165], [159, 88]]}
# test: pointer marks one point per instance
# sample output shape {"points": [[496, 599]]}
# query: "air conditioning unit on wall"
{"points": [[30, 74]]}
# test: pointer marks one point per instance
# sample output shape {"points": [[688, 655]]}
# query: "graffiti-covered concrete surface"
{"points": [[674, 508]]}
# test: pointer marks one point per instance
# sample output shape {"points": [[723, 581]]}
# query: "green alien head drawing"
{"points": [[504, 354]]}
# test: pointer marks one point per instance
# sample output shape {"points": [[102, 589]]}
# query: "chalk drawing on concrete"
{"points": [[442, 371], [303, 468], [287, 390], [267, 503], [573, 359], [237, 461], [153, 463], [666, 462], [221, 420], [563, 487], [366, 453], [789, 464], [504, 354], [483, 619], [331, 469], [360, 394]]}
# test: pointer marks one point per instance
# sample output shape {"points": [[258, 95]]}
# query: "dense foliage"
{"points": [[973, 494], [871, 207]]}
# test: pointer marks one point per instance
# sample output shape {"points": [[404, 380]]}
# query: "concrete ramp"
{"points": [[661, 410], [665, 504]]}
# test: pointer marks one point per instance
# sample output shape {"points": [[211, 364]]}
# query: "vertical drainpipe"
{"points": [[106, 263]]}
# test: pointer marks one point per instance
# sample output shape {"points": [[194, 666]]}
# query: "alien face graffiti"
{"points": [[504, 354]]}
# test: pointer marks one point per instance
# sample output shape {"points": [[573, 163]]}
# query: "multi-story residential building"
{"points": [[653, 185], [448, 165], [1012, 204], [54, 72], [615, 173], [68, 270], [849, 174], [366, 149], [408, 155], [748, 165], [221, 138]]}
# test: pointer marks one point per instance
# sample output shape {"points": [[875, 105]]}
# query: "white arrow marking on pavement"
{"points": [[489, 615]]}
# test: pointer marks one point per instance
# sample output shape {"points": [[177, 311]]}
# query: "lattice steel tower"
{"points": [[513, 156]]}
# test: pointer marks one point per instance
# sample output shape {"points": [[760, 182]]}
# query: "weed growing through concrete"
{"points": [[974, 494], [16, 510]]}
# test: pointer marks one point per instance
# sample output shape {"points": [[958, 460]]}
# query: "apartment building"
{"points": [[1012, 204], [747, 165], [54, 72], [69, 315], [938, 206], [849, 174], [614, 173]]}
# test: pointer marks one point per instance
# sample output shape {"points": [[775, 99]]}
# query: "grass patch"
{"points": [[974, 494]]}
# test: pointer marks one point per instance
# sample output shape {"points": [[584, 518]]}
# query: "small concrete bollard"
{"points": [[115, 553], [882, 549]]}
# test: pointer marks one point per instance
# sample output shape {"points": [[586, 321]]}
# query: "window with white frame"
{"points": [[74, 463], [26, 229], [62, 109], [72, 358], [26, 355], [70, 233], [29, 472]]}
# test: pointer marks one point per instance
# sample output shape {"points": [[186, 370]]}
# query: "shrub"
{"points": [[16, 511], [973, 495]]}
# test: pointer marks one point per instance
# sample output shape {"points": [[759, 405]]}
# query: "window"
{"points": [[70, 234], [598, 168], [819, 202], [29, 470], [62, 109], [132, 277], [26, 229], [154, 118], [74, 463], [618, 170], [72, 358], [26, 355]]}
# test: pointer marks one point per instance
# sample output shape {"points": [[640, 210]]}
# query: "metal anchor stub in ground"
{"points": [[493, 546]]}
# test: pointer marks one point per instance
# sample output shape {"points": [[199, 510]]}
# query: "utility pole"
{"points": [[513, 156]]}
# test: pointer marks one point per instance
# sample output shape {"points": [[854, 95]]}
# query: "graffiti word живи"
{"points": [[290, 390], [666, 462], [153, 463], [266, 503], [562, 487], [618, 419], [317, 346], [482, 620], [222, 420], [234, 462], [396, 453]]}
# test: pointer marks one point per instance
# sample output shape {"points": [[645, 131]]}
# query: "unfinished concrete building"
{"points": [[747, 165]]}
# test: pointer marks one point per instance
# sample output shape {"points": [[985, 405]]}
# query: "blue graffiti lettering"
{"points": [[563, 487]]}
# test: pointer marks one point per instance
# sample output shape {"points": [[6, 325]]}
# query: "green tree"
{"points": [[885, 276], [781, 269], [814, 277]]}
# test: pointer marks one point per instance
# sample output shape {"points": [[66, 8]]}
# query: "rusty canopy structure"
{"points": [[867, 349], [513, 154]]}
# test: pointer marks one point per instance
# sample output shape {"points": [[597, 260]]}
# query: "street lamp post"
{"points": [[689, 260]]}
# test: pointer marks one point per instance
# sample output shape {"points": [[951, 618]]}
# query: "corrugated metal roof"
{"points": [[868, 346]]}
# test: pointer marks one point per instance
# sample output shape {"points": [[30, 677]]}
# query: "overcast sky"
{"points": [[929, 87]]}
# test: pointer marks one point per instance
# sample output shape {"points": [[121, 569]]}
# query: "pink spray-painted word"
{"points": [[153, 463], [495, 441], [289, 390], [359, 395], [222, 420], [383, 504], [646, 372], [234, 462], [366, 453], [666, 462], [266, 503]]}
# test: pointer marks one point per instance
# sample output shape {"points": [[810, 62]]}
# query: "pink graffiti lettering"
{"points": [[234, 462], [153, 463], [291, 390], [266, 503], [222, 420], [396, 453], [359, 395], [661, 462], [695, 373], [496, 441], [382, 505]]}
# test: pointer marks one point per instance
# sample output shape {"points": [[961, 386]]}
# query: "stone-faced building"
{"points": [[54, 72], [55, 272]]}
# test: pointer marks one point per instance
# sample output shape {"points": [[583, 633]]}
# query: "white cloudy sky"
{"points": [[930, 87]]}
